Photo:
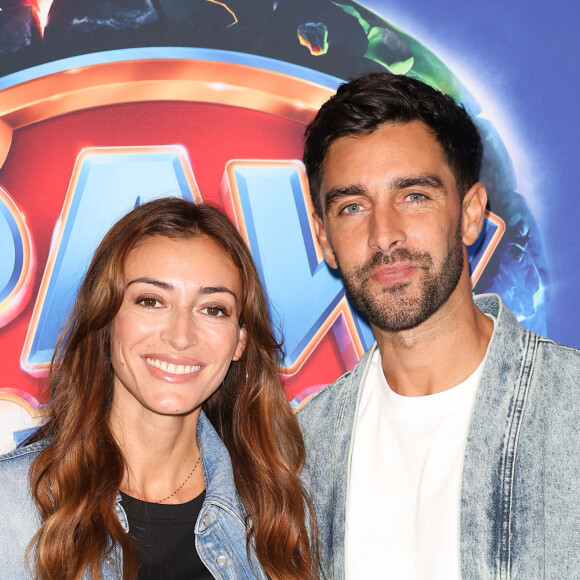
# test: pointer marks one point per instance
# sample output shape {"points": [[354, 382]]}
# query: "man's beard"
{"points": [[391, 309]]}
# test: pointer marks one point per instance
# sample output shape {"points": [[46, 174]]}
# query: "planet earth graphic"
{"points": [[343, 39]]}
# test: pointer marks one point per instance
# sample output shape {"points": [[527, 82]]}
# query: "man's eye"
{"points": [[149, 302], [351, 208], [214, 311], [415, 197]]}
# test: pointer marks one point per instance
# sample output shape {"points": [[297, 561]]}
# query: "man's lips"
{"points": [[394, 274]]}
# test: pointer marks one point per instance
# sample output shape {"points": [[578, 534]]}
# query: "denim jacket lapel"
{"points": [[492, 444]]}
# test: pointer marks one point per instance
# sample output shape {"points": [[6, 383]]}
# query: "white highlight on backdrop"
{"points": [[14, 418], [484, 81]]}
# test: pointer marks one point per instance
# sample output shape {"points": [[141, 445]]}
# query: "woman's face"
{"points": [[177, 330]]}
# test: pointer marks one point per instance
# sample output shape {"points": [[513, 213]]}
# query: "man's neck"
{"points": [[438, 354]]}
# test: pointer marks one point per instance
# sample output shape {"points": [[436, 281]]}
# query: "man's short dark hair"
{"points": [[362, 105]]}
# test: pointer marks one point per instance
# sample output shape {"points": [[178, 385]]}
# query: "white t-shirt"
{"points": [[402, 518]]}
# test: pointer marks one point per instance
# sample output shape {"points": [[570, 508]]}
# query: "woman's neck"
{"points": [[161, 455]]}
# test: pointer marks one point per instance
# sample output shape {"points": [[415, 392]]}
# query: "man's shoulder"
{"points": [[548, 351], [562, 351], [329, 394], [322, 396], [323, 409], [558, 360], [317, 413]]}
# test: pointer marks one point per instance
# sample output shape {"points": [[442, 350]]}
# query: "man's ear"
{"points": [[327, 250], [473, 209]]}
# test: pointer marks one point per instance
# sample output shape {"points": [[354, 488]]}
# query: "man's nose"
{"points": [[386, 229]]}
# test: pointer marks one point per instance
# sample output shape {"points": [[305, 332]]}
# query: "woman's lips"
{"points": [[172, 368]]}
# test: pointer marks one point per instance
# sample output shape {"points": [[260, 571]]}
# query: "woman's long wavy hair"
{"points": [[75, 479]]}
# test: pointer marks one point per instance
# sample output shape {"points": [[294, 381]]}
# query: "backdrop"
{"points": [[107, 105]]}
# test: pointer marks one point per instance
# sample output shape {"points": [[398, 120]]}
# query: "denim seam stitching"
{"points": [[509, 459]]}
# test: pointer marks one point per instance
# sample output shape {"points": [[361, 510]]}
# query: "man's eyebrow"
{"points": [[433, 181], [152, 281], [334, 194]]}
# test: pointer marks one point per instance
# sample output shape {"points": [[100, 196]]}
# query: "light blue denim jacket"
{"points": [[520, 497], [220, 534]]}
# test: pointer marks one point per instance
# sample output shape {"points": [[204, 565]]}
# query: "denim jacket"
{"points": [[520, 496], [220, 533]]}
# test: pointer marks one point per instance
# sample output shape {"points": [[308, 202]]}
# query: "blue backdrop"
{"points": [[520, 61]]}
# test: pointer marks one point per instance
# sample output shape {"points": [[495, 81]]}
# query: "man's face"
{"points": [[392, 223]]}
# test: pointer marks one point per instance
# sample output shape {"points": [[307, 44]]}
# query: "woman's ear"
{"points": [[473, 209], [241, 346]]}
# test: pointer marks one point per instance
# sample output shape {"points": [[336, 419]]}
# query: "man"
{"points": [[451, 450]]}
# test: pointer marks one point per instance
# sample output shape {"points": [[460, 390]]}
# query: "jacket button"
{"points": [[222, 560], [110, 560], [206, 520]]}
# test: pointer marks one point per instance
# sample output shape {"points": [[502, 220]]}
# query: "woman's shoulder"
{"points": [[21, 457], [20, 516]]}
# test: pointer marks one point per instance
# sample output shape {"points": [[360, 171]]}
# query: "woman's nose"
{"points": [[179, 331]]}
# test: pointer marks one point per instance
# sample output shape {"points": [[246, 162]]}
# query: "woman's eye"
{"points": [[214, 311], [149, 302]]}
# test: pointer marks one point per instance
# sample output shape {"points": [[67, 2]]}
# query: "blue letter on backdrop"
{"points": [[303, 291], [16, 260], [106, 184]]}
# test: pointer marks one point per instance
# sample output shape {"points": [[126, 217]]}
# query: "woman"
{"points": [[164, 400]]}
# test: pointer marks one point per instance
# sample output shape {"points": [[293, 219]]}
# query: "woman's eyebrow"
{"points": [[167, 286], [153, 282], [216, 290]]}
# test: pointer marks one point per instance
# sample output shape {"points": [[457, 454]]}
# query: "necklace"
{"points": [[186, 480]]}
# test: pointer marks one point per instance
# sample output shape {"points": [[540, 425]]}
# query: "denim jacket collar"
{"points": [[217, 471]]}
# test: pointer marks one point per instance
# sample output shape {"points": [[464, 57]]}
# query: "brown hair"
{"points": [[75, 479]]}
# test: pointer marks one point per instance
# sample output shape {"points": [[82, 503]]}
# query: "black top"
{"points": [[165, 539]]}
